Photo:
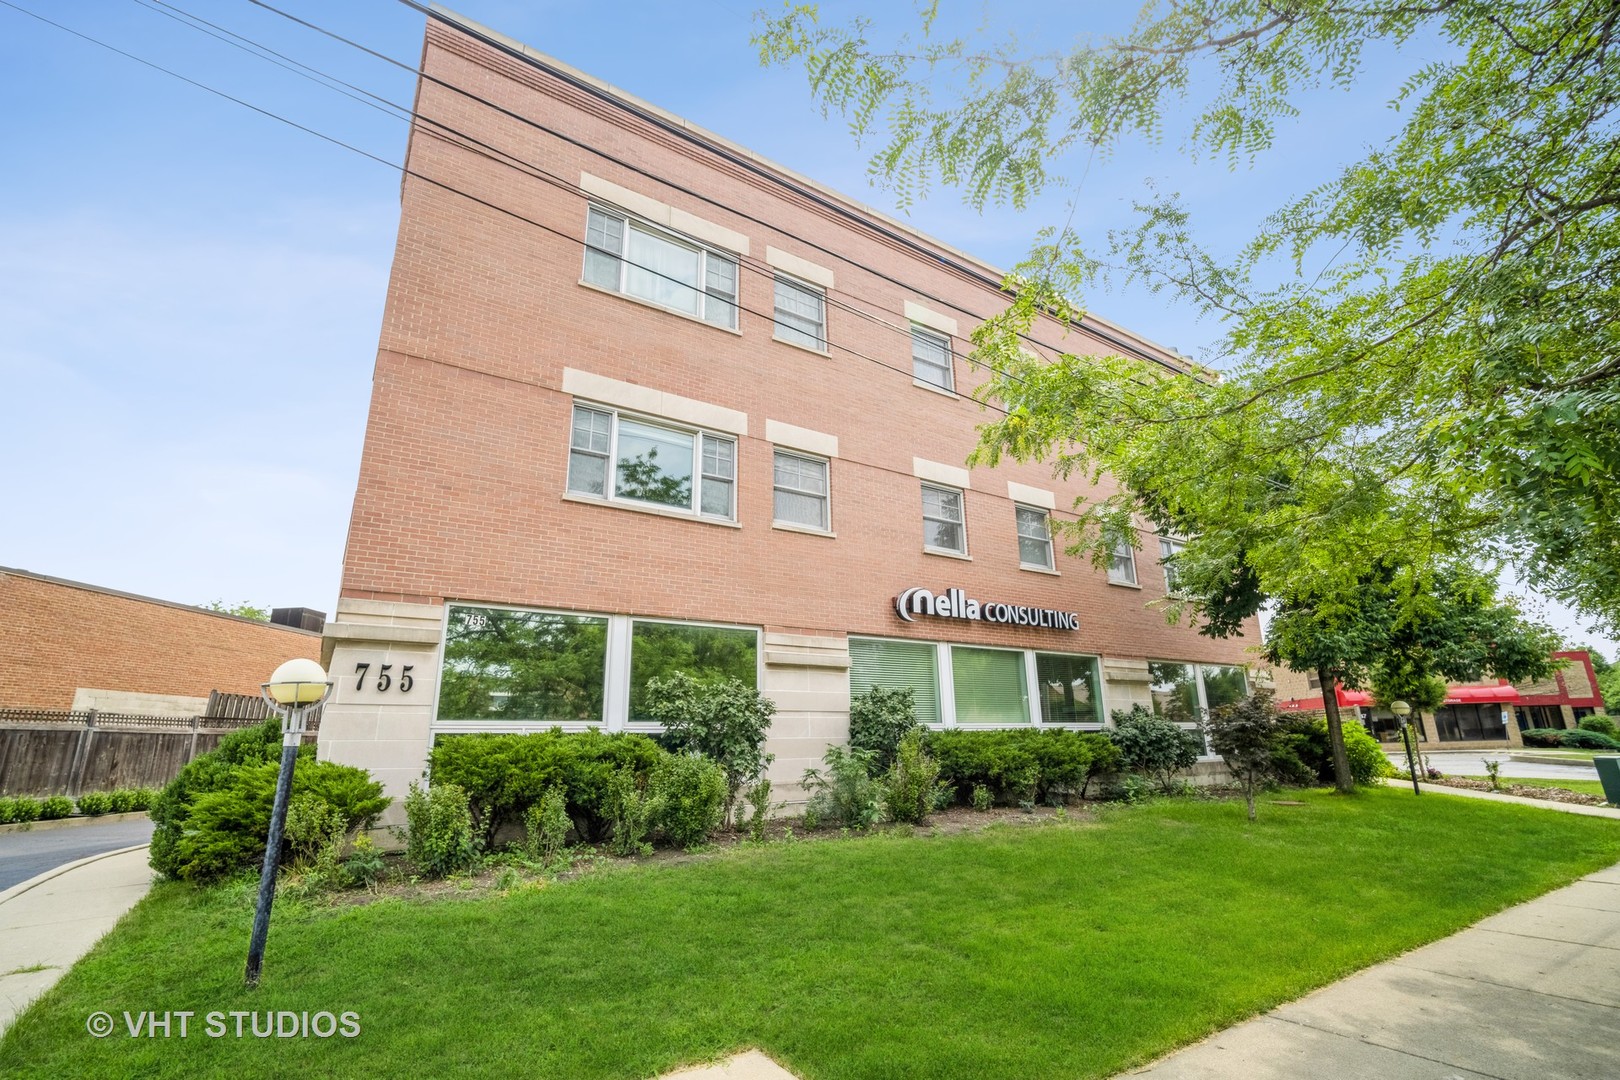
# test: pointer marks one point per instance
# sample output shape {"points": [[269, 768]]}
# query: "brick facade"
{"points": [[59, 639], [462, 493]]}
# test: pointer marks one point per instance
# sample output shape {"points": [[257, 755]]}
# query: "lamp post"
{"points": [[297, 688], [1402, 710]]}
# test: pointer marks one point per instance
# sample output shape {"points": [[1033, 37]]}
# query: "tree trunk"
{"points": [[1249, 794], [1341, 760]]}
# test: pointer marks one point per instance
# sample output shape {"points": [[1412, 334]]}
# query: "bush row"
{"points": [[23, 808], [1583, 739]]}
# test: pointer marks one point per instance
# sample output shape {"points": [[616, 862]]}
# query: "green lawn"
{"points": [[1058, 950], [1586, 787]]}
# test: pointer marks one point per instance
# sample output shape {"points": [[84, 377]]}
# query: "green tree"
{"points": [[1422, 346], [244, 610]]}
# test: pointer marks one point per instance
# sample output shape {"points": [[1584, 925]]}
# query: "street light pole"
{"points": [[297, 688], [1402, 710]]}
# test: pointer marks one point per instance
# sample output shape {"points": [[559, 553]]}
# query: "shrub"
{"points": [[439, 830], [364, 866], [1017, 765], [843, 793], [1542, 737], [1155, 746], [504, 775], [142, 798], [1244, 734], [57, 806], [690, 792], [95, 803], [6, 805], [25, 808], [911, 786], [226, 828], [171, 809], [983, 798], [879, 719], [1603, 725], [759, 802], [635, 812], [123, 800], [312, 826], [724, 721], [1105, 760], [546, 825], [1589, 740], [1306, 738]]}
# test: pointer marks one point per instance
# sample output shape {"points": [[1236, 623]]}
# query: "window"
{"points": [[800, 496], [522, 665], [630, 257], [989, 686], [1034, 538], [1168, 550], [641, 461], [709, 654], [1122, 564], [943, 526], [1186, 693], [1470, 722], [931, 359], [801, 315], [1068, 689], [898, 665]]}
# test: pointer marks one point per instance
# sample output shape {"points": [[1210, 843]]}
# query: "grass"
{"points": [[1585, 787], [1074, 949]]}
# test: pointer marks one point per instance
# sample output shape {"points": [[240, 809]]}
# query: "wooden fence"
{"points": [[62, 752]]}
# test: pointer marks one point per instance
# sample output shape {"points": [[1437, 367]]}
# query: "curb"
{"points": [[40, 879], [1582, 809], [69, 822]]}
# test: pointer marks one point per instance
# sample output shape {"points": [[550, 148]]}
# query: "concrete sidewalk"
{"points": [[1532, 993], [50, 921]]}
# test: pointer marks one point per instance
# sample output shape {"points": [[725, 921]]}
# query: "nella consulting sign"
{"points": [[956, 604]]}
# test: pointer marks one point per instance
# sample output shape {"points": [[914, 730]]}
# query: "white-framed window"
{"points": [[801, 314], [944, 522], [931, 358], [629, 256], [635, 460], [1122, 564], [523, 670], [981, 686], [1034, 537], [1186, 693], [1168, 550], [800, 494]]}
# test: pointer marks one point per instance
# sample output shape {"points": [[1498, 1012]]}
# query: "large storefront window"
{"points": [[1068, 689], [523, 665], [707, 653], [897, 665], [989, 686], [1185, 693], [1470, 723]]}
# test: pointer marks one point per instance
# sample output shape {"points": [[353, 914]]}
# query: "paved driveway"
{"points": [[1472, 763], [25, 854]]}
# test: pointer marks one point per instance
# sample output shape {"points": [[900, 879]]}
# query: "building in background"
{"points": [[68, 645], [647, 402], [1474, 715]]}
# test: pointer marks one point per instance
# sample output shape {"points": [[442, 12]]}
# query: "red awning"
{"points": [[1470, 695], [1352, 697]]}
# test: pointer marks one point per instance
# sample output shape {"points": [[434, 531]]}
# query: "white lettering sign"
{"points": [[956, 604]]}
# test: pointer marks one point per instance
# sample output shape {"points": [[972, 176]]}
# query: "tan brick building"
{"points": [[67, 645], [645, 401]]}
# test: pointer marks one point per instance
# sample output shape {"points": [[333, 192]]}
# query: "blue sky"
{"points": [[190, 292]]}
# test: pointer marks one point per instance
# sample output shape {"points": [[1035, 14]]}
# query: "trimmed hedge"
{"points": [[1021, 764], [1577, 740], [504, 775]]}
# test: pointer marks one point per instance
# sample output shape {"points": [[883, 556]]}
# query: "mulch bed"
{"points": [[1523, 791]]}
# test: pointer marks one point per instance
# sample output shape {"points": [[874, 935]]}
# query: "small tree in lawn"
{"points": [[1244, 734], [724, 721]]}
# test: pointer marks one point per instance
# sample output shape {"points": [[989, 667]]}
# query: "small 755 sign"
{"points": [[384, 679]]}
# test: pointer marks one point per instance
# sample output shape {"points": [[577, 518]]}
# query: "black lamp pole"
{"points": [[294, 717]]}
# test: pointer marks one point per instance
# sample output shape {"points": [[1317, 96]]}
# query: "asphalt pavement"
{"points": [[1472, 763], [23, 854]]}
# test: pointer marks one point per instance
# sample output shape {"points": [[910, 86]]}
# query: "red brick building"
{"points": [[67, 645], [645, 401]]}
